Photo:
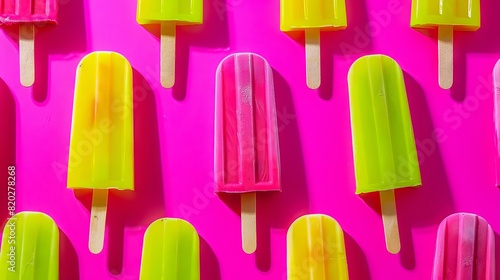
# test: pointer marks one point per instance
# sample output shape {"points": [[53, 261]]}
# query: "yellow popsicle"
{"points": [[102, 137], [316, 250], [446, 16], [169, 13], [312, 16]]}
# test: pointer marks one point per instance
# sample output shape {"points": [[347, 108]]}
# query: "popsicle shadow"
{"points": [[69, 36], [212, 34], [435, 192], [458, 90], [209, 265], [68, 259], [345, 43], [356, 259], [7, 143], [279, 210], [145, 204]]}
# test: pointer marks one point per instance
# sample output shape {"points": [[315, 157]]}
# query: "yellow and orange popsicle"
{"points": [[102, 134]]}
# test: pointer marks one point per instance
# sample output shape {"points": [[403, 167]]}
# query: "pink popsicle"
{"points": [[22, 11], [246, 134], [26, 13], [465, 249], [496, 81]]}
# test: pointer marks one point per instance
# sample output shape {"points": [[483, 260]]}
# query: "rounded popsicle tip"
{"points": [[465, 248]]}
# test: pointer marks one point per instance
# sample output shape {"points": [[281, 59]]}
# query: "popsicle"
{"points": [[246, 135], [26, 14], [169, 13], [171, 251], [315, 249], [101, 155], [385, 156], [496, 84], [465, 249], [446, 16], [30, 248], [312, 16]]}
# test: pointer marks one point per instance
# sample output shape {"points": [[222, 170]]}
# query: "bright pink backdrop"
{"points": [[174, 136]]}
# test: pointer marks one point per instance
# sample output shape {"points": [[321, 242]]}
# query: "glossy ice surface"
{"points": [[102, 137], [465, 249], [464, 15], [304, 14], [316, 250], [385, 156], [180, 11], [30, 248], [27, 11], [171, 251], [246, 132]]}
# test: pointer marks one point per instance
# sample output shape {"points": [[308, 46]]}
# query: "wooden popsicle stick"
{"points": [[445, 48], [98, 220], [248, 222], [27, 54], [390, 220], [313, 58], [167, 49]]}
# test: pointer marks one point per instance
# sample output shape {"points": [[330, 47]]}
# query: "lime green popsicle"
{"points": [[30, 248], [170, 251], [169, 13], [446, 16], [385, 156]]}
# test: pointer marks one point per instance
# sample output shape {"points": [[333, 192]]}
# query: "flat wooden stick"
{"points": [[27, 54], [248, 222], [445, 47], [313, 58], [390, 219], [167, 66], [98, 220]]}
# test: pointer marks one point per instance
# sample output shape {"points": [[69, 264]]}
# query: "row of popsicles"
{"points": [[296, 15], [246, 157], [315, 249]]}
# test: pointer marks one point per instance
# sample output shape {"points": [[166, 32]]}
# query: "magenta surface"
{"points": [[174, 136], [28, 11], [246, 130]]}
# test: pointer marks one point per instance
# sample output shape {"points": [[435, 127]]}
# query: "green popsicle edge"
{"points": [[385, 156], [170, 251], [30, 248]]}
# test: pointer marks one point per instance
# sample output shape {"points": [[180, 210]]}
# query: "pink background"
{"points": [[174, 136]]}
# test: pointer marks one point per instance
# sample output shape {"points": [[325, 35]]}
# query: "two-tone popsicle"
{"points": [[101, 153], [246, 135], [385, 155], [316, 249]]}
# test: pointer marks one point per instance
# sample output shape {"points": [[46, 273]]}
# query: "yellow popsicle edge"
{"points": [[102, 137], [316, 249]]}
